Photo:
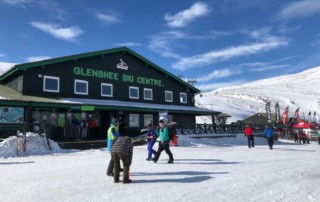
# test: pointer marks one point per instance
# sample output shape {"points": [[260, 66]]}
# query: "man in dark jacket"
{"points": [[268, 132], [122, 150]]}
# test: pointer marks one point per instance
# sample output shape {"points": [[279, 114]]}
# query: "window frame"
{"points": [[49, 90], [147, 117], [81, 81], [144, 94], [107, 84], [137, 121], [136, 88], [181, 93], [165, 96]]}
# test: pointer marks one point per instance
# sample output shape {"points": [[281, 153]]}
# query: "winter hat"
{"points": [[161, 121], [115, 121]]}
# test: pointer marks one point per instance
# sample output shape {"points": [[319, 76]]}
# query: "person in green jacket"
{"points": [[164, 143]]}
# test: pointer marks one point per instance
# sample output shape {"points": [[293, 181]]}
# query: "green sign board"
{"points": [[116, 76], [87, 108]]}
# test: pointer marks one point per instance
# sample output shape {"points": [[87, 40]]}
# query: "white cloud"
{"points": [[68, 34], [108, 19], [315, 43], [182, 18], [228, 53], [268, 67], [162, 43], [2, 55], [36, 58], [128, 44], [299, 9], [18, 2], [284, 29], [49, 6], [216, 74], [213, 86]]}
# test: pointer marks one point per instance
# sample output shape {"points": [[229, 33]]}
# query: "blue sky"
{"points": [[218, 42]]}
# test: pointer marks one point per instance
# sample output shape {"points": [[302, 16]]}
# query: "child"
{"points": [[152, 135]]}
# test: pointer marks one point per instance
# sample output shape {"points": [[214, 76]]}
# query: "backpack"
{"points": [[172, 132]]}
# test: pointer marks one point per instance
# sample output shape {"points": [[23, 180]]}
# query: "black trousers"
{"points": [[250, 141], [125, 163], [270, 142], [163, 146], [110, 166]]}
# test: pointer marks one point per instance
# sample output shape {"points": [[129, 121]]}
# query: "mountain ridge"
{"points": [[295, 90]]}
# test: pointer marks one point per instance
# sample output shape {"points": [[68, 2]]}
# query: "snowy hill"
{"points": [[5, 66], [296, 90]]}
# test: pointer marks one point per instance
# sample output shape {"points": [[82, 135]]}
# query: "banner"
{"points": [[285, 115], [277, 110], [315, 116], [309, 117], [268, 112], [296, 115]]}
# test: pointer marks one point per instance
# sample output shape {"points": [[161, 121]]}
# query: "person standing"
{"points": [[152, 136], [248, 131], [92, 124], [84, 128], [113, 134], [75, 128], [122, 126], [164, 143], [122, 150], [318, 134], [268, 132]]}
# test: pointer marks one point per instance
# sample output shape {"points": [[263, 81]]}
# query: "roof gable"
{"points": [[25, 66]]}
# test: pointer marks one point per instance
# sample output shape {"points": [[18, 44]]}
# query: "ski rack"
{"points": [[22, 140]]}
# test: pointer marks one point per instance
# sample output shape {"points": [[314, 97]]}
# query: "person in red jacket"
{"points": [[248, 131]]}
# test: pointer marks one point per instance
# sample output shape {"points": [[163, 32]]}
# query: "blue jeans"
{"points": [[150, 148]]}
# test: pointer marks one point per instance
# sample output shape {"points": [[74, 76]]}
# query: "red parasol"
{"points": [[302, 125]]}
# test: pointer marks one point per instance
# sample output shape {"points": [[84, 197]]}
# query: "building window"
{"points": [[133, 92], [168, 96], [147, 119], [107, 90], [147, 94], [51, 84], [134, 120], [183, 97], [80, 87]]}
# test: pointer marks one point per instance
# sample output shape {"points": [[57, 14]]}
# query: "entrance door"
{"points": [[104, 124]]}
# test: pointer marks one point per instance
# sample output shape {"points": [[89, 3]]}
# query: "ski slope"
{"points": [[296, 91]]}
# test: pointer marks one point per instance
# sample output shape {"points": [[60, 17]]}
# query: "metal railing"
{"points": [[214, 128]]}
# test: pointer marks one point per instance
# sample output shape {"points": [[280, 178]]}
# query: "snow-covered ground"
{"points": [[205, 169]]}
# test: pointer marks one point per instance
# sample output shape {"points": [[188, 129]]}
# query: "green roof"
{"points": [[8, 93], [25, 66]]}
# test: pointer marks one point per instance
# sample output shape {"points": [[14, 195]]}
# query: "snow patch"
{"points": [[36, 145]]}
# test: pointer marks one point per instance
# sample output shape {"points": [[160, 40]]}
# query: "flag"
{"points": [[268, 112], [309, 117], [296, 115], [277, 110], [285, 115]]}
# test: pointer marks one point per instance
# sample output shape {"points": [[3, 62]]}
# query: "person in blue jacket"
{"points": [[164, 143], [152, 136], [268, 132], [113, 134]]}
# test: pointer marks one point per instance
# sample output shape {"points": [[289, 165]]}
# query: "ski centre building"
{"points": [[100, 86]]}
